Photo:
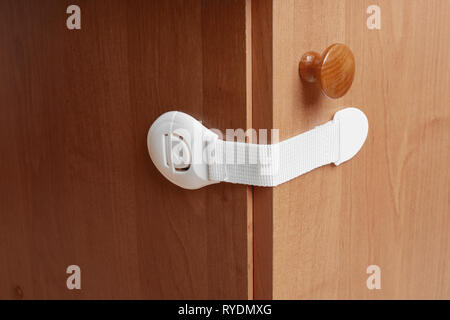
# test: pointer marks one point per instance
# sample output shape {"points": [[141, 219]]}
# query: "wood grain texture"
{"points": [[77, 185], [388, 206], [249, 124], [262, 117]]}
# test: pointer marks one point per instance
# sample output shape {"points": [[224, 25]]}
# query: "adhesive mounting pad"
{"points": [[353, 129]]}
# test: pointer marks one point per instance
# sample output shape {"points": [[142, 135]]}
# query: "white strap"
{"points": [[271, 165], [176, 136]]}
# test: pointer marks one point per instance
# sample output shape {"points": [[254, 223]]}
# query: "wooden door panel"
{"points": [[77, 185], [389, 205]]}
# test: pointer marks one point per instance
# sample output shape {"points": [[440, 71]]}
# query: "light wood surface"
{"points": [[388, 206], [77, 185]]}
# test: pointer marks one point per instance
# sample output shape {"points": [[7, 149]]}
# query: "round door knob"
{"points": [[334, 70]]}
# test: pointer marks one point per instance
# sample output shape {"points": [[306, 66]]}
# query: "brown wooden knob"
{"points": [[334, 70]]}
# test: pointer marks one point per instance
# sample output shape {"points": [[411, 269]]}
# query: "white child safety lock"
{"points": [[192, 156]]}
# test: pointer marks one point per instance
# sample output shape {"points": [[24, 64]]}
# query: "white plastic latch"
{"points": [[192, 156], [176, 142]]}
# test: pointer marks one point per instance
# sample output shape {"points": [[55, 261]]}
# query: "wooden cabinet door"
{"points": [[388, 206], [77, 186]]}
